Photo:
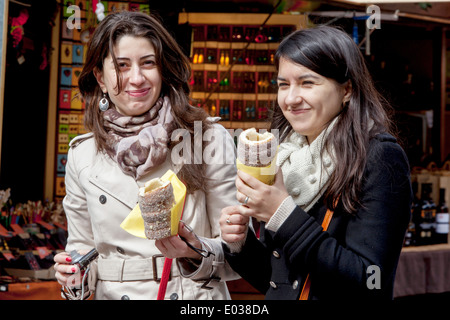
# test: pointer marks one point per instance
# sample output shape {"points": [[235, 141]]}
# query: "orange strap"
{"points": [[305, 291]]}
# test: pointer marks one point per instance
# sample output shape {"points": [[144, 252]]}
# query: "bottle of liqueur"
{"points": [[432, 218], [224, 111], [212, 112], [427, 216], [411, 234], [442, 219]]}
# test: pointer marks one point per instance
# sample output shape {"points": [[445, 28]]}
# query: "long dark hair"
{"points": [[331, 53], [172, 64]]}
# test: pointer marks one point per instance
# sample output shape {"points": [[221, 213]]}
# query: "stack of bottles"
{"points": [[430, 222]]}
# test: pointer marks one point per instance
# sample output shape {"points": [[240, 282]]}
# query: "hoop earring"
{"points": [[103, 105]]}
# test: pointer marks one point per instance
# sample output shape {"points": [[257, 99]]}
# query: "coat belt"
{"points": [[133, 269]]}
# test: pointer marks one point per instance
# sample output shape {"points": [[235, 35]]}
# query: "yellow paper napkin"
{"points": [[263, 174], [134, 223]]}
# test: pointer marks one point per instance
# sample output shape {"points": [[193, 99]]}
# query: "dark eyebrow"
{"points": [[302, 77], [142, 58]]}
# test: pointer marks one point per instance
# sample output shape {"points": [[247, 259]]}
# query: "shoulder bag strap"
{"points": [[325, 223]]}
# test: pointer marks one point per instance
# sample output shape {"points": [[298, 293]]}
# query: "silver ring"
{"points": [[246, 200], [228, 220]]}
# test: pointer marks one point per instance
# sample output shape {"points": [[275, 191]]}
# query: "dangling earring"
{"points": [[104, 103]]}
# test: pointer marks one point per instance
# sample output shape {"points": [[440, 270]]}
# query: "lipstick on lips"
{"points": [[298, 110], [138, 93]]}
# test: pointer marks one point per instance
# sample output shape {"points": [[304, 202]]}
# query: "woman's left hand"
{"points": [[263, 200], [174, 247]]}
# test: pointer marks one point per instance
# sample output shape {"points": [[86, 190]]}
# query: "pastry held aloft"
{"points": [[256, 149], [256, 153]]}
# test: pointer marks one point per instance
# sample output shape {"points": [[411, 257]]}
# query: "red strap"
{"points": [[256, 227], [166, 271], [164, 279], [305, 290]]}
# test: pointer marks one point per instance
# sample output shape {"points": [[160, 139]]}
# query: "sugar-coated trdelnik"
{"points": [[156, 200], [256, 153]]}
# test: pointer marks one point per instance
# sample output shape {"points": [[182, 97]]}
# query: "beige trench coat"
{"points": [[99, 197]]}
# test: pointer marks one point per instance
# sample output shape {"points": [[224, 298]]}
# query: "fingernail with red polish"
{"points": [[68, 259], [74, 270]]}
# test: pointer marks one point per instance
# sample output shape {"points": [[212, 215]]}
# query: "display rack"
{"points": [[233, 72]]}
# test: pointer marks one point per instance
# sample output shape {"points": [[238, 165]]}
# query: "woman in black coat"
{"points": [[337, 155]]}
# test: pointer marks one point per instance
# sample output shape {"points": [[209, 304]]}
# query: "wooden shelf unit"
{"points": [[233, 75]]}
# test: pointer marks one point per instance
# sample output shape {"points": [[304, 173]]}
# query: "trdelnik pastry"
{"points": [[256, 154], [156, 200]]}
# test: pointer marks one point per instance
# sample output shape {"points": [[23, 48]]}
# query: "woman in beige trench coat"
{"points": [[135, 85]]}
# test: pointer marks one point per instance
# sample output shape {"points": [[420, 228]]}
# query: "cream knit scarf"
{"points": [[140, 143], [305, 172]]}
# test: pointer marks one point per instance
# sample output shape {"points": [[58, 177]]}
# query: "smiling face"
{"points": [[141, 78], [308, 100]]}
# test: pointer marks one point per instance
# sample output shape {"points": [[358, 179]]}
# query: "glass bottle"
{"points": [[427, 216], [442, 219]]}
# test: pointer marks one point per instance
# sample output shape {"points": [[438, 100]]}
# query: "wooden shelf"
{"points": [[245, 124], [236, 67], [234, 45], [297, 20], [241, 90], [233, 96]]}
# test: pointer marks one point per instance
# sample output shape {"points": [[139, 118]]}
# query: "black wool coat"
{"points": [[356, 258]]}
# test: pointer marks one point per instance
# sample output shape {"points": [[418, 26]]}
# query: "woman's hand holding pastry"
{"points": [[174, 247], [259, 199]]}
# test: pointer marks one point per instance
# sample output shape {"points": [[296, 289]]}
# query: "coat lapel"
{"points": [[107, 176]]}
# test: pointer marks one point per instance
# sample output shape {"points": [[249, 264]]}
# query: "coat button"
{"points": [[125, 297], [295, 285], [327, 161], [174, 296], [273, 284], [102, 199], [312, 179], [276, 254], [120, 250]]}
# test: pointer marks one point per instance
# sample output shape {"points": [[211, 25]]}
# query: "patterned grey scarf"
{"points": [[140, 143]]}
